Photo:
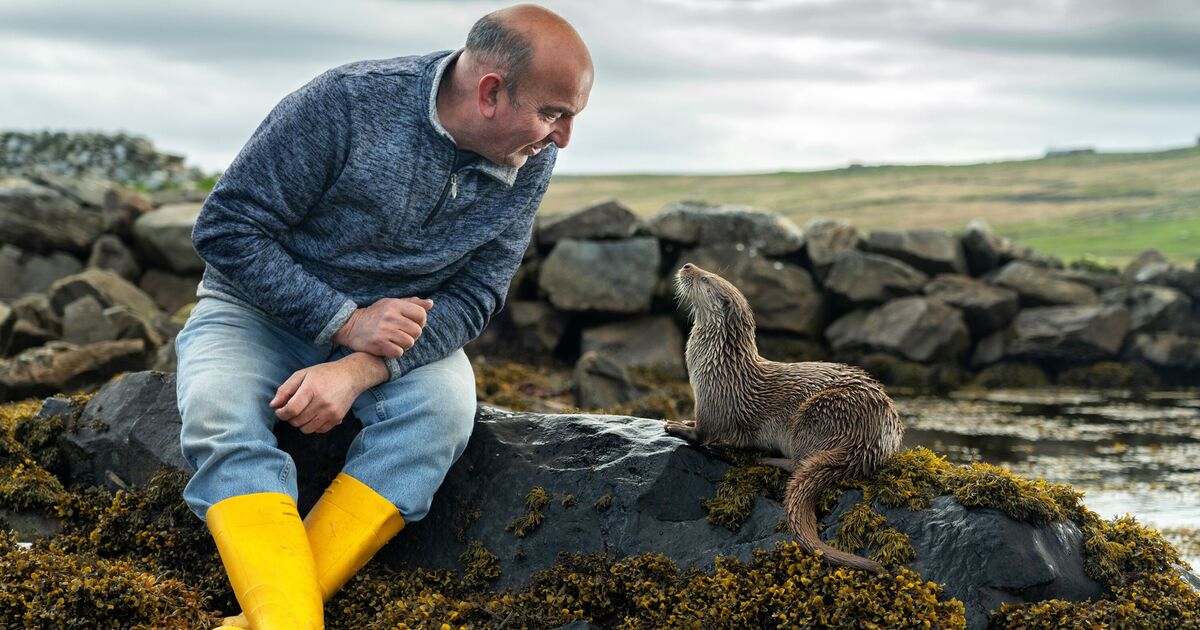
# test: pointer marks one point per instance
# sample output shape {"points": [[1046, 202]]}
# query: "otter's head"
{"points": [[710, 297]]}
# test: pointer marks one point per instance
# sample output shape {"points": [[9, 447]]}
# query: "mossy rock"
{"points": [[1010, 376], [1109, 375]]}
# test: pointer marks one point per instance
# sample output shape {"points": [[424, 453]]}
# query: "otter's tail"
{"points": [[813, 474]]}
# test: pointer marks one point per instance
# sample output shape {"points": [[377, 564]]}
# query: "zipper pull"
{"points": [[453, 185]]}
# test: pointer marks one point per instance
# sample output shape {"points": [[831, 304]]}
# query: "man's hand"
{"points": [[386, 328], [317, 398]]}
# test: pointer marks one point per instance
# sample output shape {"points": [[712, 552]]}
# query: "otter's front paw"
{"points": [[683, 429]]}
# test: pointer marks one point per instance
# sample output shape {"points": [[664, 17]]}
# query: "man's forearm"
{"points": [[366, 369]]}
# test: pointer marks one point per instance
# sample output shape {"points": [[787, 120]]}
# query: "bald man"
{"points": [[366, 232]]}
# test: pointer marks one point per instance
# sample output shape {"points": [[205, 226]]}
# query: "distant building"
{"points": [[1052, 152]]}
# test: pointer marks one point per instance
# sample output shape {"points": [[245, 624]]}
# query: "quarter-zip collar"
{"points": [[503, 174]]}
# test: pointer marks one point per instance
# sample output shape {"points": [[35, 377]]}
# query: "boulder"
{"points": [[647, 342], [109, 252], [169, 291], [1167, 274], [782, 295], [1144, 259], [601, 382], [606, 219], [535, 325], [1166, 349], [64, 367], [930, 251], [984, 307], [82, 188], [983, 250], [990, 349], [983, 558], [824, 239], [1154, 308], [788, 348], [165, 236], [22, 273], [917, 328], [84, 322], [860, 278], [1098, 281], [43, 220], [124, 207], [698, 223], [1072, 334], [108, 288], [1037, 287], [36, 310], [608, 276], [126, 324]]}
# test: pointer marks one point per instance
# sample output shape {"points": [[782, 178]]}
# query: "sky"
{"points": [[682, 86]]}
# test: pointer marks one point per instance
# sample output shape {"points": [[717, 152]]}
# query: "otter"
{"points": [[830, 421]]}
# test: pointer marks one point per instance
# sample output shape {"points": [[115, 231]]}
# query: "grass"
{"points": [[1110, 205]]}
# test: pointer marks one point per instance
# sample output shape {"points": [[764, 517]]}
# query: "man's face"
{"points": [[544, 113]]}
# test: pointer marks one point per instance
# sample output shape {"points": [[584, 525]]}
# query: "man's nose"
{"points": [[561, 136]]}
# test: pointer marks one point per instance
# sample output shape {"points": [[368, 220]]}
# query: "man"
{"points": [[364, 234]]}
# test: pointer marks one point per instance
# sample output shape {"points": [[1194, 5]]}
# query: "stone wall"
{"points": [[96, 279], [127, 159]]}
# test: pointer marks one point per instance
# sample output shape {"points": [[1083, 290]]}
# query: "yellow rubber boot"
{"points": [[348, 524], [266, 555]]}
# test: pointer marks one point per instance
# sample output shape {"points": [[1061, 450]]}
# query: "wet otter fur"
{"points": [[829, 421]]}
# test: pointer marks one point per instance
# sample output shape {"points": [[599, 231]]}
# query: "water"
{"points": [[1135, 453]]}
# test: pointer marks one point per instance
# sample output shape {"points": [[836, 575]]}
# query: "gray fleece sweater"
{"points": [[347, 194]]}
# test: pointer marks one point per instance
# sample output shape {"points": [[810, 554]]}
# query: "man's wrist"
{"points": [[340, 336], [368, 369]]}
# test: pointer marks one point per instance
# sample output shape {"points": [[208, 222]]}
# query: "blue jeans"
{"points": [[232, 359]]}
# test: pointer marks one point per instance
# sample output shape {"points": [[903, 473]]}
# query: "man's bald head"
{"points": [[523, 41]]}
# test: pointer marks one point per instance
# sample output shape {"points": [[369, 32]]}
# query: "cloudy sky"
{"points": [[681, 85]]}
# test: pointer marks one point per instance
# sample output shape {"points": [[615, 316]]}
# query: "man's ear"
{"points": [[489, 94]]}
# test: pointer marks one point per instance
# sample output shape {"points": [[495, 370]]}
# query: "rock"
{"points": [[107, 287], [129, 429], [8, 320], [25, 336], [984, 307], [124, 207], [1154, 308], [1166, 349], [984, 251], [930, 251], [127, 324], [1166, 274], [36, 310], [864, 279], [983, 558], [898, 372], [600, 382], [608, 276], [41, 219], [824, 239], [1073, 334], [108, 252], [63, 367], [1098, 281], [989, 350], [84, 322], [535, 325], [1026, 254], [698, 223], [22, 273], [917, 328], [782, 295], [647, 342], [85, 189], [1144, 259], [1037, 287], [654, 484], [606, 219], [169, 291], [165, 236]]}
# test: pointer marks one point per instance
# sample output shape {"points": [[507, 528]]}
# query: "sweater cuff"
{"points": [[335, 324], [395, 370]]}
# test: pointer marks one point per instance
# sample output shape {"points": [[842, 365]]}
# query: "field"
{"points": [[1109, 205]]}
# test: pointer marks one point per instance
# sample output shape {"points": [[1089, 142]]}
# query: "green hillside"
{"points": [[1110, 205]]}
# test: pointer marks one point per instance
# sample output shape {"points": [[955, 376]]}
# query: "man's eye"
{"points": [[550, 117]]}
